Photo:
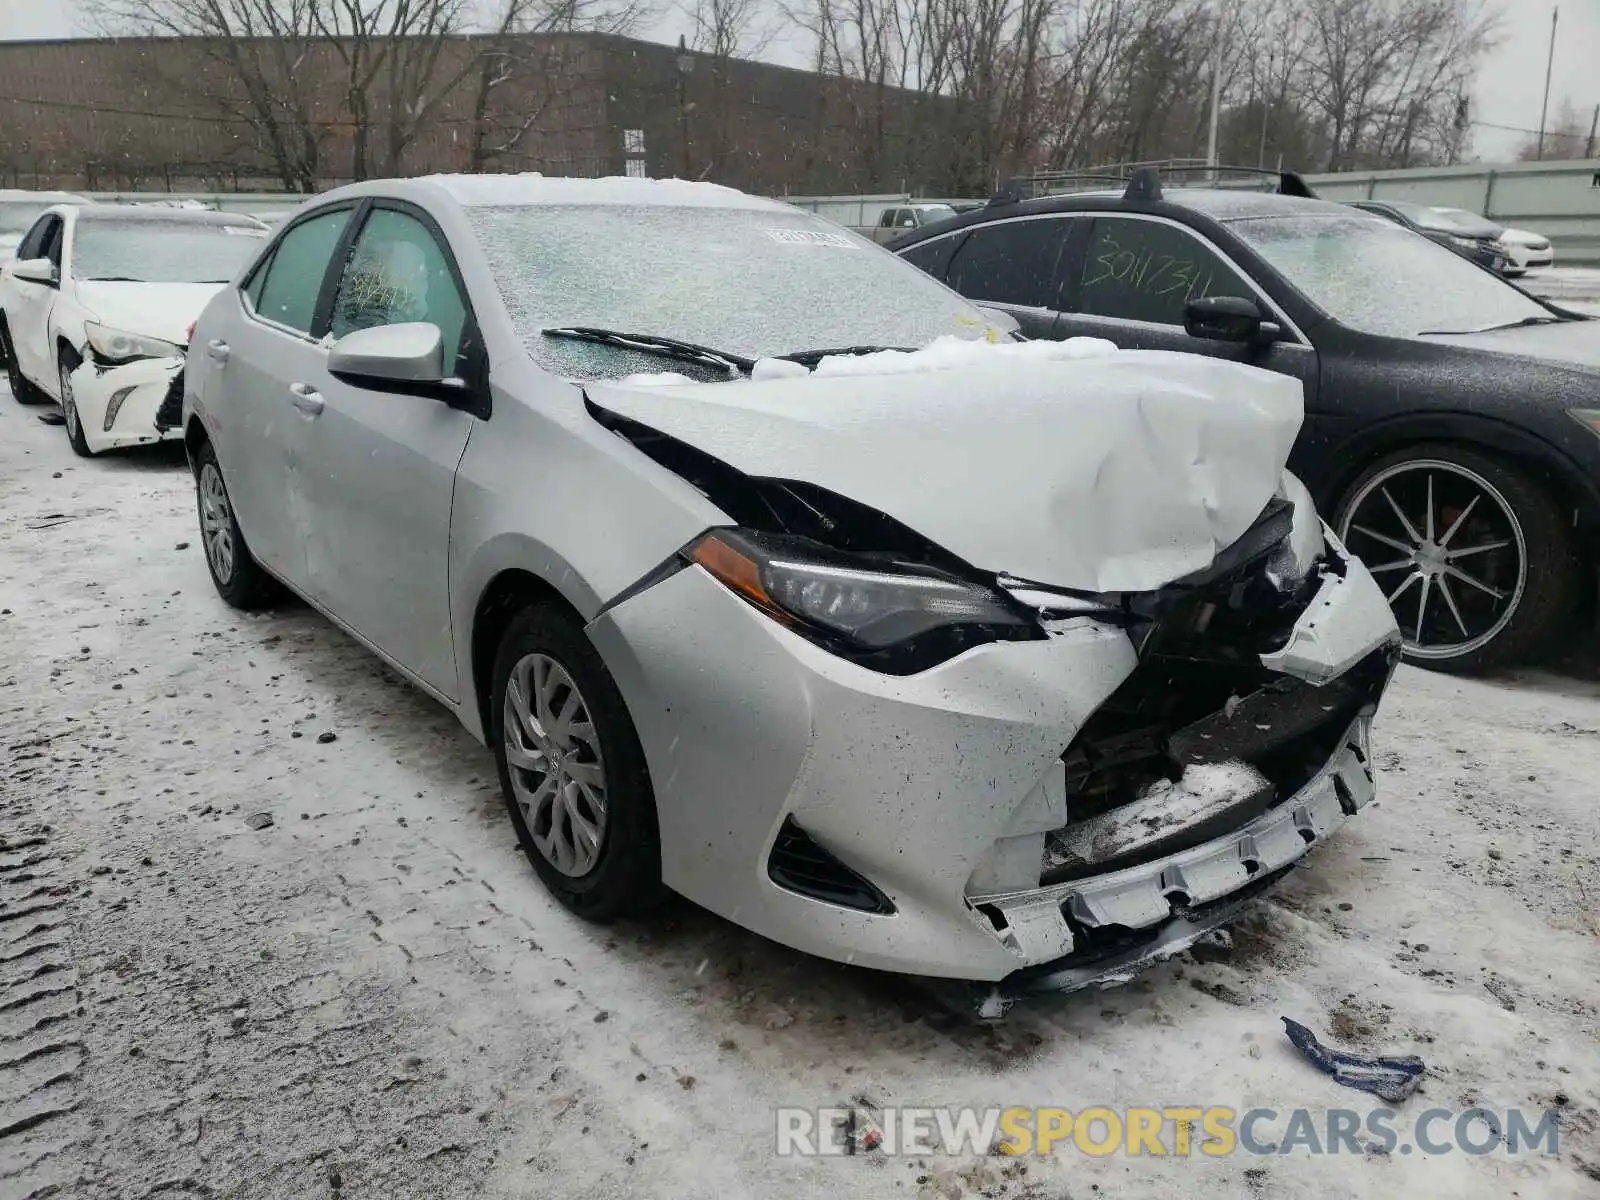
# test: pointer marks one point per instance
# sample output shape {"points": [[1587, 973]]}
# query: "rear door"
{"points": [[259, 348], [29, 315], [1014, 265], [380, 466], [1133, 278]]}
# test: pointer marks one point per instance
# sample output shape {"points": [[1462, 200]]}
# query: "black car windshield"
{"points": [[162, 251], [1378, 277], [752, 282]]}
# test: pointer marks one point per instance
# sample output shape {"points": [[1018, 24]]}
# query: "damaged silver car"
{"points": [[774, 572]]}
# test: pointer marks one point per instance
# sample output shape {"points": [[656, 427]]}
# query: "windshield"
{"points": [[162, 251], [935, 212], [1381, 278], [752, 282]]}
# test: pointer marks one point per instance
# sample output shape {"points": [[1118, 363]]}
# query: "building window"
{"points": [[634, 154], [635, 167]]}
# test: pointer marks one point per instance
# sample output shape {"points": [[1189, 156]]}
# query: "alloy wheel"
{"points": [[216, 523], [554, 761], [69, 408], [1446, 548]]}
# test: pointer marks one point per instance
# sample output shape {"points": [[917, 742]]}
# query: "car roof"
{"points": [[1219, 204], [162, 213], [532, 188]]}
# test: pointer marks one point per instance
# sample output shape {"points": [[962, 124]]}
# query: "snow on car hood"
{"points": [[1573, 342], [160, 310], [1114, 473]]}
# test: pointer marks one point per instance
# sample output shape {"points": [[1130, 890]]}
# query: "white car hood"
{"points": [[160, 310], [1119, 473]]}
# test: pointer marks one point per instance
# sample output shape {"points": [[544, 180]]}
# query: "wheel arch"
{"points": [[507, 593], [1573, 489]]}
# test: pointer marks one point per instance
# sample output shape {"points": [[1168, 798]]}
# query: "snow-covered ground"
{"points": [[372, 996], [1565, 284]]}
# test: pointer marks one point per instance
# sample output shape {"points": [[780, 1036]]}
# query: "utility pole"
{"points": [[1544, 109], [1594, 124], [685, 65], [1216, 92]]}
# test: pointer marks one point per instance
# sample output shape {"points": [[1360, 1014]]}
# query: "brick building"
{"points": [[164, 114]]}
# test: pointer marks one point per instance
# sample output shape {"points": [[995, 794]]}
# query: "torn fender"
{"points": [[1120, 473]]}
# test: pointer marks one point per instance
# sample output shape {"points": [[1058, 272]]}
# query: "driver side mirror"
{"points": [[409, 355], [1229, 319], [36, 270]]}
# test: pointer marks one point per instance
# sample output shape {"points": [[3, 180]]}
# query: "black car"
{"points": [[1469, 236], [1452, 429]]}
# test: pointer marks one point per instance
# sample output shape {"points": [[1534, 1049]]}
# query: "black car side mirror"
{"points": [[1228, 319]]}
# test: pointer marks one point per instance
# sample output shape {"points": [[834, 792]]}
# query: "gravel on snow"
{"points": [[236, 961]]}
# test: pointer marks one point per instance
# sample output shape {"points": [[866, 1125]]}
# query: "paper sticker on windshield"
{"points": [[814, 237]]}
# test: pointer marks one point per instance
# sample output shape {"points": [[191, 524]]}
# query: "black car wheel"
{"points": [[1474, 557], [22, 391], [574, 777]]}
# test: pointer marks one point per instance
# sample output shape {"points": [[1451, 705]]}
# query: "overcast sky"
{"points": [[1509, 88]]}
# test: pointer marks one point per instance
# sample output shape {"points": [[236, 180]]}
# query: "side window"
{"points": [[32, 244], [52, 240], [933, 255], [398, 272], [1149, 271], [908, 218], [1012, 262], [285, 290], [886, 218]]}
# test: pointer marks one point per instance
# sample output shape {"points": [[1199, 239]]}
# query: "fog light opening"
{"points": [[118, 397]]}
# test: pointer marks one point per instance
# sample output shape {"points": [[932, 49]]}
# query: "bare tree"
{"points": [[253, 51], [523, 53]]}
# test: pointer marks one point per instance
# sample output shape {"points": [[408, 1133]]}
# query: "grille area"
{"points": [[798, 864], [170, 414], [1177, 711]]}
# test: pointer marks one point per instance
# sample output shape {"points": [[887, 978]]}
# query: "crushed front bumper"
{"points": [[118, 406], [910, 812]]}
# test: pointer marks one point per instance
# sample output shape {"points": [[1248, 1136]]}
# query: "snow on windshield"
{"points": [[755, 282], [149, 251], [1381, 278]]}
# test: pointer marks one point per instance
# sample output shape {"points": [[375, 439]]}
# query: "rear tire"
{"points": [[66, 365], [22, 391], [572, 772], [239, 579], [1492, 574]]}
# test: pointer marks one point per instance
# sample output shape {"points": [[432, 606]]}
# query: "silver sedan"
{"points": [[776, 573]]}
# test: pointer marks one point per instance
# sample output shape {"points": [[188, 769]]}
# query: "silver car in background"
{"points": [[771, 571]]}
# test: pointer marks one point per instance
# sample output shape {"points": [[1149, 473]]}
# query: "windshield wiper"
{"points": [[650, 343], [810, 358], [113, 279], [1550, 320]]}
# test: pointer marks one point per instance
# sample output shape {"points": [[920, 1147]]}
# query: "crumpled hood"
{"points": [[159, 310], [1120, 473]]}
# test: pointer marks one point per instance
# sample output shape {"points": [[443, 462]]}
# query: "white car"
{"points": [[20, 209], [96, 307], [1527, 249]]}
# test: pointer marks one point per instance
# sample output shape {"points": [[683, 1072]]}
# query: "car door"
{"points": [[261, 346], [1013, 265], [379, 465], [1133, 278], [29, 314]]}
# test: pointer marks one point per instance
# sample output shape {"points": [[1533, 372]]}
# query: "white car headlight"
{"points": [[121, 346]]}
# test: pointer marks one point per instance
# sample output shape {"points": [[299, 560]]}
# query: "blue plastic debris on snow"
{"points": [[1391, 1078]]}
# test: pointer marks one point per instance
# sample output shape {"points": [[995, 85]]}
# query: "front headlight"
{"points": [[115, 346], [1464, 243], [892, 616]]}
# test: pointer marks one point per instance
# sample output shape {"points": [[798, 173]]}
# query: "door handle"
{"points": [[218, 350], [307, 399]]}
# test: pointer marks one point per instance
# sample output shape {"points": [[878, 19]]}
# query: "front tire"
{"points": [[22, 391], [239, 579], [1475, 557], [66, 365], [571, 769]]}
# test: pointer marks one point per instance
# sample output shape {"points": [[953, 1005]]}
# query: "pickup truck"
{"points": [[898, 218]]}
